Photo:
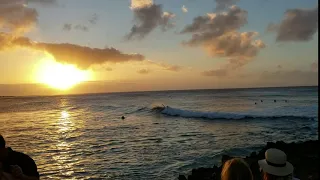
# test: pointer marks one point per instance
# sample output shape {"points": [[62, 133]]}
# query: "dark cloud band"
{"points": [[81, 56]]}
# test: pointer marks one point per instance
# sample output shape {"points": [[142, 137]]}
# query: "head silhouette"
{"points": [[236, 169], [3, 149], [2, 142]]}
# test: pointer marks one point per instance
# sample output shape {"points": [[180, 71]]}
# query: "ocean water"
{"points": [[84, 137]]}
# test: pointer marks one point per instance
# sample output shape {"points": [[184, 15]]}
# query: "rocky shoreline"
{"points": [[303, 155]]}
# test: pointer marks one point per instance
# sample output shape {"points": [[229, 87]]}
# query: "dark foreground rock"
{"points": [[303, 155]]}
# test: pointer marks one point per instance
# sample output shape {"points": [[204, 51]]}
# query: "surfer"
{"points": [[274, 100], [122, 117]]}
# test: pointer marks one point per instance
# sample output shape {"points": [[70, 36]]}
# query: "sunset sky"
{"points": [[81, 46]]}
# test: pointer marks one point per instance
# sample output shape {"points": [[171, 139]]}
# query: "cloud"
{"points": [[81, 56], [67, 27], [184, 9], [93, 19], [84, 56], [81, 27], [234, 45], [148, 16], [164, 66], [15, 17], [135, 4], [10, 41], [214, 25], [143, 71], [217, 34], [297, 25], [223, 4]]}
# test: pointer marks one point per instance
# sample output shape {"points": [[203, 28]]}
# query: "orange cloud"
{"points": [[16, 17], [184, 9], [81, 56], [135, 4]]}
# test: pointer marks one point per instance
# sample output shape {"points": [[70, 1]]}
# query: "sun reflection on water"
{"points": [[65, 130], [64, 115], [65, 123]]}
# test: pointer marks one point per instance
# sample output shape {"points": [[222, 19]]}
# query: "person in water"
{"points": [[19, 165], [275, 166], [236, 169]]}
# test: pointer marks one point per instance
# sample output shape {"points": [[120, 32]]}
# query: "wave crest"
{"points": [[218, 115]]}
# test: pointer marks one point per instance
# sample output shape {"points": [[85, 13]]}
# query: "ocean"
{"points": [[164, 133]]}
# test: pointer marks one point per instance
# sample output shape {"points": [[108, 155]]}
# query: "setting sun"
{"points": [[60, 76]]}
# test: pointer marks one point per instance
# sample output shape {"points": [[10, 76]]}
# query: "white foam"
{"points": [[198, 114], [222, 115]]}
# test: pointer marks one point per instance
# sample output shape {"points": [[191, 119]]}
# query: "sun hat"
{"points": [[275, 163]]}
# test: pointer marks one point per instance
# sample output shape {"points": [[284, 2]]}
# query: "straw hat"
{"points": [[276, 163]]}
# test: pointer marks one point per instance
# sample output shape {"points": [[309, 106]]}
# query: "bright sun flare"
{"points": [[60, 76]]}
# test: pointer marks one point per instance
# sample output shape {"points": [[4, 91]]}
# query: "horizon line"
{"points": [[150, 91]]}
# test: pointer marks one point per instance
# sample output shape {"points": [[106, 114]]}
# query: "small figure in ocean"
{"points": [[255, 103], [261, 100], [236, 169], [122, 117], [274, 100], [285, 101]]}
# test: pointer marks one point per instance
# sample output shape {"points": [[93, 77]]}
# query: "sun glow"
{"points": [[60, 76]]}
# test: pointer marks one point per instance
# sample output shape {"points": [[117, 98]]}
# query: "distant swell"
{"points": [[219, 115]]}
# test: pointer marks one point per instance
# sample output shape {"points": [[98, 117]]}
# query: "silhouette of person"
{"points": [[236, 169], [18, 164]]}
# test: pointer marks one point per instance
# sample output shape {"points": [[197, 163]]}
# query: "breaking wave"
{"points": [[167, 110]]}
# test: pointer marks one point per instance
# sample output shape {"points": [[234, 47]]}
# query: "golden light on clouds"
{"points": [[60, 76]]}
